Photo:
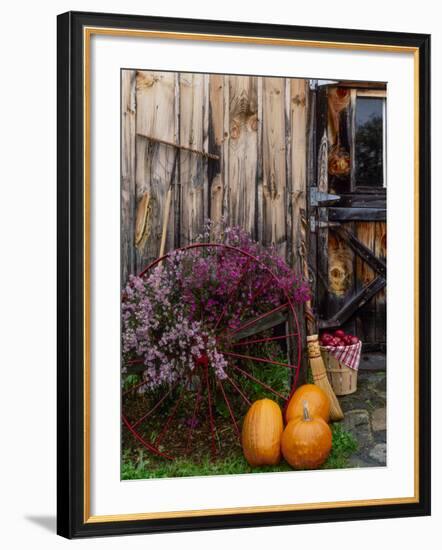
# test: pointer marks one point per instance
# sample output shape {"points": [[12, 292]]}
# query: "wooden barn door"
{"points": [[347, 208]]}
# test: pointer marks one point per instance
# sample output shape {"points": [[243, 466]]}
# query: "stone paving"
{"points": [[365, 418]]}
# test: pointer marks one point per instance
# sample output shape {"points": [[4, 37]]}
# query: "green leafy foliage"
{"points": [[279, 378], [343, 446], [130, 380]]}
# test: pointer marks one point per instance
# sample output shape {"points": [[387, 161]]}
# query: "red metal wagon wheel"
{"points": [[253, 326]]}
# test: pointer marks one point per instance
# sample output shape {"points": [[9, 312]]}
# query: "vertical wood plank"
{"points": [[274, 169], [366, 316], [155, 116], [381, 298], [243, 151], [225, 149], [205, 147], [324, 304], [298, 128], [350, 113], [341, 277], [216, 139], [352, 135], [177, 179], [193, 133], [128, 129], [311, 244], [259, 162], [288, 169], [298, 117]]}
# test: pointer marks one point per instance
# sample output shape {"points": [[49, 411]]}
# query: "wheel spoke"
{"points": [[193, 420], [134, 362], [262, 288], [270, 339], [135, 387], [238, 389], [166, 426], [146, 444], [258, 359], [211, 419], [232, 416], [266, 386], [259, 318], [155, 407]]}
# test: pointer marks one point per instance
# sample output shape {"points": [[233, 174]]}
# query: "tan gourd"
{"points": [[261, 433]]}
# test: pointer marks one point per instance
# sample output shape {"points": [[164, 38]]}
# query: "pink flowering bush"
{"points": [[172, 317]]}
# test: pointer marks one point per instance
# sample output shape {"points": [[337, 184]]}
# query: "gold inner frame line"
{"points": [[87, 33]]}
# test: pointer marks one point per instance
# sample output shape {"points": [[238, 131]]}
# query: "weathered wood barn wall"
{"points": [[266, 133], [257, 127]]}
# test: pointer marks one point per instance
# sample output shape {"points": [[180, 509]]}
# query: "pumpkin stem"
{"points": [[306, 413]]}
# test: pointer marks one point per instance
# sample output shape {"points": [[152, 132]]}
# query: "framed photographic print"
{"points": [[231, 349]]}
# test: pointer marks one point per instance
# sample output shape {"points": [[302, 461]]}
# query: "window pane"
{"points": [[369, 142]]}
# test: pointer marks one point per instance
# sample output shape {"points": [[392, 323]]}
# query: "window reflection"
{"points": [[369, 142]]}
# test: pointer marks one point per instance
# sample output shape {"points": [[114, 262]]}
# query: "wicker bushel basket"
{"points": [[342, 379]]}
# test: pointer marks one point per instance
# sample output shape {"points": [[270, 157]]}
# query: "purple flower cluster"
{"points": [[156, 328], [171, 316]]}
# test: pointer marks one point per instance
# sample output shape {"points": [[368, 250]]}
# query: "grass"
{"points": [[147, 466]]}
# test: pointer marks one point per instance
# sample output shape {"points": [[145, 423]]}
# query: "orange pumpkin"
{"points": [[261, 433], [306, 441], [317, 400]]}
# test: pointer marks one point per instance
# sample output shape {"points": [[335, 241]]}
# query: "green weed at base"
{"points": [[343, 446]]}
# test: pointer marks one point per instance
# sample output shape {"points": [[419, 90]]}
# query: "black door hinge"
{"points": [[320, 198], [315, 224]]}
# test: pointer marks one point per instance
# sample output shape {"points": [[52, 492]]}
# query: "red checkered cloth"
{"points": [[347, 355]]}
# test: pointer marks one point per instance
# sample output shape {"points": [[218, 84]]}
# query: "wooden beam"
{"points": [[128, 113], [364, 200], [267, 323], [362, 251], [336, 214], [179, 146], [358, 301]]}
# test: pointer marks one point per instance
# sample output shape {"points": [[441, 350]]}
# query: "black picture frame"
{"points": [[72, 519]]}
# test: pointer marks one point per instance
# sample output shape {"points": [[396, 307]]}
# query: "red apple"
{"points": [[347, 339], [339, 334], [354, 340], [326, 336]]}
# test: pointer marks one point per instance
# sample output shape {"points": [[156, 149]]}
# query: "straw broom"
{"points": [[316, 362]]}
